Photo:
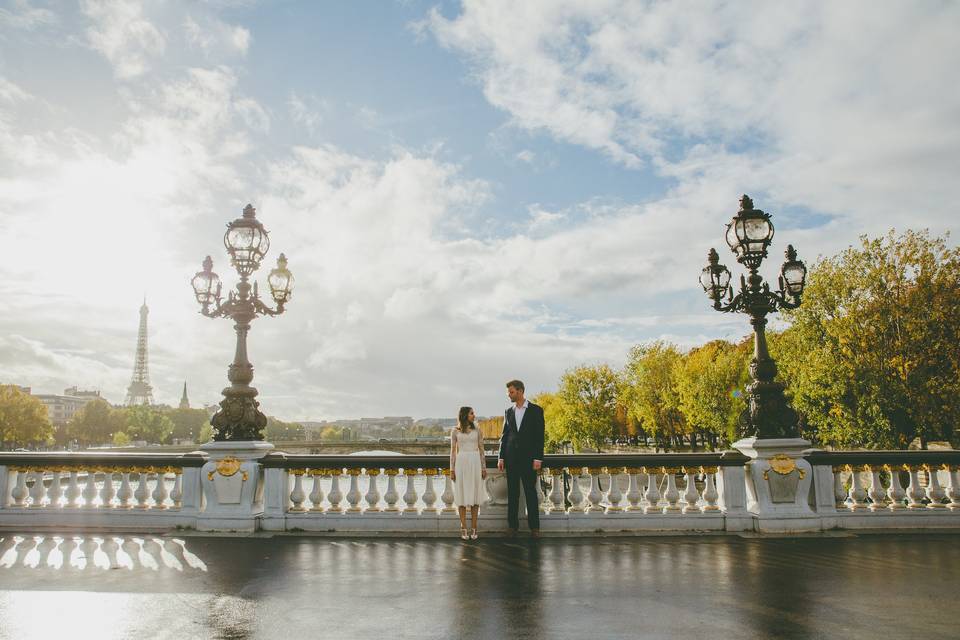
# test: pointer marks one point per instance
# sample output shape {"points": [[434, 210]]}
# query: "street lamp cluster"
{"points": [[749, 235], [247, 242]]}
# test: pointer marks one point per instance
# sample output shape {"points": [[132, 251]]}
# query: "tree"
{"points": [[148, 423], [491, 427], [556, 423], [187, 423], [648, 390], [585, 406], [23, 418], [279, 430], [710, 381], [872, 357], [206, 433], [121, 439], [96, 423]]}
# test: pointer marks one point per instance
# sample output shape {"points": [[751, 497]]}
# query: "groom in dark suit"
{"points": [[521, 452]]}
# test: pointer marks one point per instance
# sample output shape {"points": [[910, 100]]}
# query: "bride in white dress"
{"points": [[467, 469]]}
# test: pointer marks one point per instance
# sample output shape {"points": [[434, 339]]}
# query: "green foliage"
{"points": [[206, 433], [23, 418], [649, 391], [188, 423], [121, 439], [279, 430], [710, 382], [584, 409], [96, 423], [148, 423], [872, 357]]}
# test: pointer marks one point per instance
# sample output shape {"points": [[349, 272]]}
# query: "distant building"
{"points": [[184, 401], [62, 408]]}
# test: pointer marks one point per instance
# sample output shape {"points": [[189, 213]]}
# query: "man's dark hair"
{"points": [[516, 384]]}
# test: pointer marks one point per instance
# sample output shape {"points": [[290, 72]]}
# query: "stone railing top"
{"points": [[882, 457], [101, 459], [279, 459]]}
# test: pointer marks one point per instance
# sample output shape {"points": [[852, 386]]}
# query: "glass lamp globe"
{"points": [[281, 281], [793, 272], [246, 241], [206, 283]]}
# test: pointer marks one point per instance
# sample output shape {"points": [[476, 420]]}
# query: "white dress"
{"points": [[466, 459]]}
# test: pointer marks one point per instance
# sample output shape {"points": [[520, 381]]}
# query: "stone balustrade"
{"points": [[413, 495]]}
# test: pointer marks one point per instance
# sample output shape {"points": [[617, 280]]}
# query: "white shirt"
{"points": [[519, 411]]}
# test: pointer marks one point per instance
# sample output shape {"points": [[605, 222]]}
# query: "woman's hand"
{"points": [[483, 473], [453, 475]]}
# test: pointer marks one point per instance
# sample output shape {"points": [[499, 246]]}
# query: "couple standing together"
{"points": [[521, 456]]}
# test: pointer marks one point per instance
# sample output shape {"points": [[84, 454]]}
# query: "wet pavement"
{"points": [[135, 586]]}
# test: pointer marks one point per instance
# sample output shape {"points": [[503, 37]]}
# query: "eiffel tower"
{"points": [[140, 391]]}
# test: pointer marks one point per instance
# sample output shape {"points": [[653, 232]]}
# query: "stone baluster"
{"points": [[595, 496], [176, 496], [447, 496], [410, 495], [73, 490], [19, 493], [38, 490], [858, 495], [316, 490], [953, 488], [839, 491], [297, 496], [556, 491], [429, 496], [895, 493], [614, 495], [107, 492], [90, 489], [353, 494], [575, 495], [915, 493], [54, 491], [142, 493], [373, 491], [877, 494], [672, 494], [160, 492], [335, 497], [710, 494], [391, 497], [126, 491], [935, 492], [690, 494], [652, 493], [633, 491], [541, 498]]}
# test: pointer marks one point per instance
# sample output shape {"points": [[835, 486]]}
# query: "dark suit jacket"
{"points": [[526, 442]]}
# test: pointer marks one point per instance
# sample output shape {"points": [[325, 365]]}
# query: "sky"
{"points": [[467, 192]]}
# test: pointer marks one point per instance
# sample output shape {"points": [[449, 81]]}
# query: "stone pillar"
{"points": [[4, 486], [232, 485], [731, 485], [778, 484]]}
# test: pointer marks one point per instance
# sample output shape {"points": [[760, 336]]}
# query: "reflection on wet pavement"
{"points": [[147, 586]]}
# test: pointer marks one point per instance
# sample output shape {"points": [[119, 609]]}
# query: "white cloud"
{"points": [[846, 108], [21, 15], [126, 38]]}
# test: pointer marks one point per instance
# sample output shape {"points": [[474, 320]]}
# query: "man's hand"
{"points": [[537, 464], [500, 464]]}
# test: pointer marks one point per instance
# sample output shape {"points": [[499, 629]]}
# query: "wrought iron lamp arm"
{"points": [[265, 310]]}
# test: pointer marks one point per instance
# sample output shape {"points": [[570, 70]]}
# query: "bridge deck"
{"points": [[262, 587]]}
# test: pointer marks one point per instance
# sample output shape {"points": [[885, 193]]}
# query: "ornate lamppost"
{"points": [[247, 242], [749, 235]]}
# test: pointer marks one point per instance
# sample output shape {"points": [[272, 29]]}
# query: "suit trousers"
{"points": [[521, 472]]}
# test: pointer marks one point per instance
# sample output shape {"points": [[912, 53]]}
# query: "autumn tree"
{"points": [[710, 382], [584, 410], [96, 423], [872, 357], [23, 418], [648, 390]]}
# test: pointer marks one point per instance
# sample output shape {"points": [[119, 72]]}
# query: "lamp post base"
{"points": [[232, 482], [778, 483]]}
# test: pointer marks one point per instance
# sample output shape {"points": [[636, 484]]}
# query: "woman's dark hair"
{"points": [[463, 420]]}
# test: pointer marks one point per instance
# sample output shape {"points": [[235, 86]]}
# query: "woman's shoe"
{"points": [[463, 534], [473, 535]]}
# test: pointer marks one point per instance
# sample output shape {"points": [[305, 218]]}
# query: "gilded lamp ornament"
{"points": [[247, 242], [749, 235]]}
